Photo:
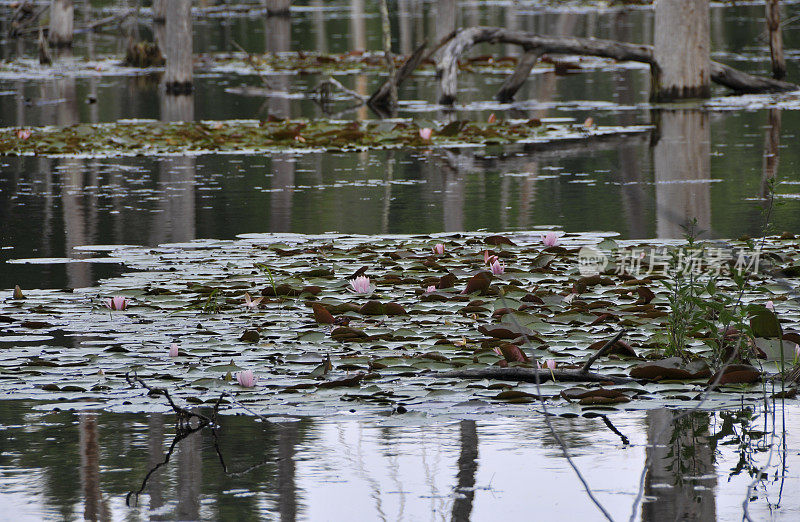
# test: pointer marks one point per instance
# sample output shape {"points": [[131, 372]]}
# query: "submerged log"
{"points": [[447, 67], [531, 375]]}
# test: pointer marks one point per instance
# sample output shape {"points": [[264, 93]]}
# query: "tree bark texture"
{"points": [[682, 50], [447, 66], [62, 18], [775, 39], [278, 7], [178, 47]]}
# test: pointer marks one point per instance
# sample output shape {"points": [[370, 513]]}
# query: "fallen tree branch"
{"points": [[534, 46], [379, 101], [531, 375], [324, 89], [602, 351]]}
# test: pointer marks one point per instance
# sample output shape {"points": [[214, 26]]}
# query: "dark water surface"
{"points": [[83, 464], [711, 164]]}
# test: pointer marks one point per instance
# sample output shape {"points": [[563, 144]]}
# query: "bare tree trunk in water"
{"points": [[681, 479], [178, 47], [62, 16], [190, 476], [681, 157], [159, 23], [682, 50], [287, 488], [467, 467], [278, 7], [775, 39]]}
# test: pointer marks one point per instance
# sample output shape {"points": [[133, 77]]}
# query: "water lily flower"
{"points": [[246, 378], [588, 123], [569, 298], [251, 303], [173, 350], [499, 352], [487, 259], [498, 268], [550, 239], [361, 285], [770, 306], [550, 364], [492, 118], [425, 133], [116, 303], [23, 134], [438, 249]]}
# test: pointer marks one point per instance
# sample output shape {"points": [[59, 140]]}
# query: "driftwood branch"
{"points": [[447, 68], [531, 375], [602, 351], [380, 99]]}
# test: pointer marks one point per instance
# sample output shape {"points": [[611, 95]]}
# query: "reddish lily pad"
{"points": [[670, 368]]}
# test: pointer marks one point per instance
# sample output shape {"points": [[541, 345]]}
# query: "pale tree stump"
{"points": [[682, 50], [775, 39], [178, 47], [62, 16]]}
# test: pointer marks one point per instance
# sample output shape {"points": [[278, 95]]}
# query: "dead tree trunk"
{"points": [[447, 66], [775, 39], [62, 17], [278, 7], [178, 47], [682, 50]]}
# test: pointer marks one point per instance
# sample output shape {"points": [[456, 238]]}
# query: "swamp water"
{"points": [[457, 453]]}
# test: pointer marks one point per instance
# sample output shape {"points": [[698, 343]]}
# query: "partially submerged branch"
{"points": [[531, 375], [535, 46]]}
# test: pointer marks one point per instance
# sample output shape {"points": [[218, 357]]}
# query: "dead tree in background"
{"points": [[534, 45], [682, 51], [62, 17], [278, 7], [775, 39], [178, 47]]}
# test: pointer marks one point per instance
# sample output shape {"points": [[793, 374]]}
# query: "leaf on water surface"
{"points": [[250, 336], [620, 348], [18, 293], [321, 314], [498, 240], [737, 374], [506, 331], [670, 368], [645, 295], [345, 334], [478, 283], [512, 353], [354, 380], [763, 321], [583, 283]]}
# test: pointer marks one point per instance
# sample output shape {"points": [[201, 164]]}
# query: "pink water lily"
{"points": [[173, 350], [251, 303], [246, 378], [550, 239], [770, 306], [438, 249], [497, 268], [487, 259], [361, 285], [23, 134], [430, 289], [425, 133], [116, 303], [550, 364]]}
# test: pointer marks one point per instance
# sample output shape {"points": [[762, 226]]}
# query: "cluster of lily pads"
{"points": [[152, 137], [302, 324]]}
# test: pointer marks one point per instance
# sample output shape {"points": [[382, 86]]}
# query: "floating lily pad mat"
{"points": [[283, 306], [128, 138]]}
